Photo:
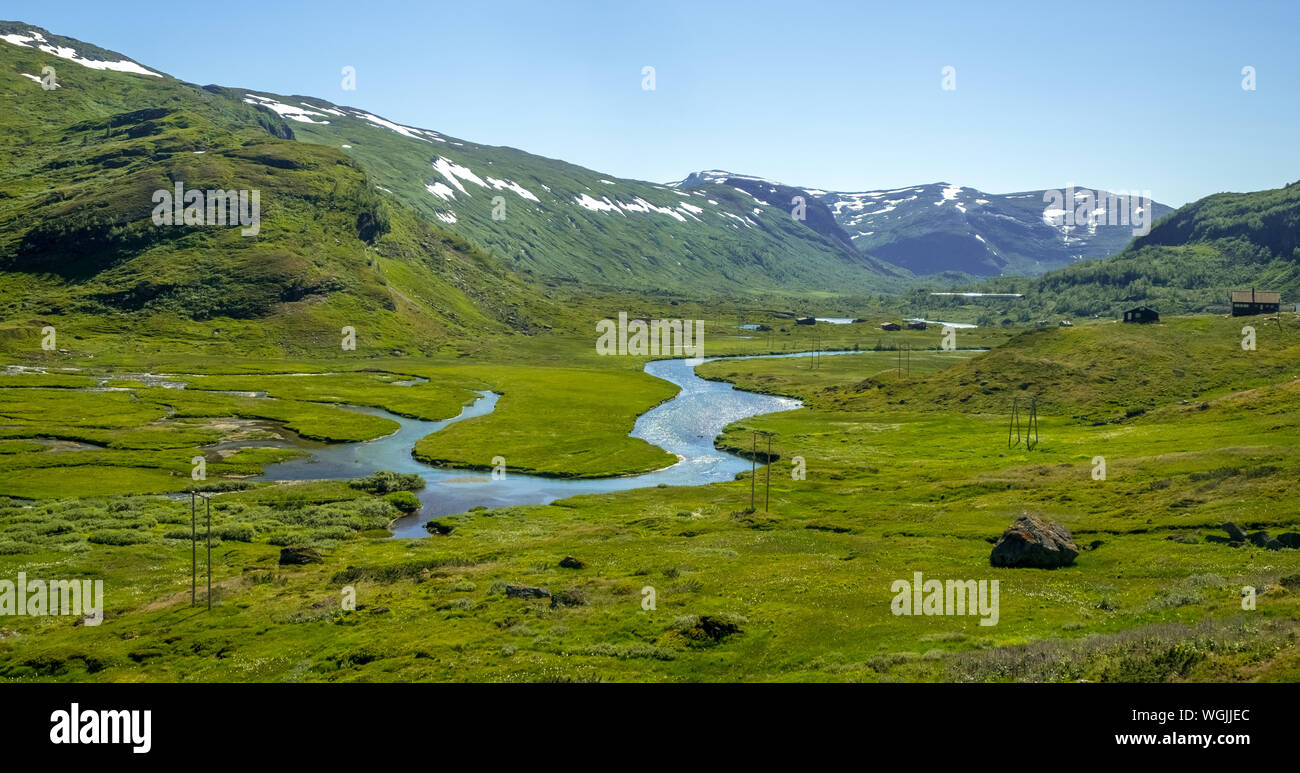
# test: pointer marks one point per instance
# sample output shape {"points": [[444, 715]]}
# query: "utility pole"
{"points": [[194, 554], [767, 485], [208, 502], [194, 546], [753, 469]]}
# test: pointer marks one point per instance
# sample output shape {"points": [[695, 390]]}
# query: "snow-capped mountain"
{"points": [[939, 227]]}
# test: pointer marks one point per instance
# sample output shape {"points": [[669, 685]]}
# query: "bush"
{"points": [[386, 482], [235, 532], [404, 501], [117, 537]]}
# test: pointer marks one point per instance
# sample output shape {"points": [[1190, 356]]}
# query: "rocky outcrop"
{"points": [[1035, 542], [298, 556], [526, 592]]}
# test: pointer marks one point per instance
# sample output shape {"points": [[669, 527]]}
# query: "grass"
{"points": [[555, 421], [900, 479]]}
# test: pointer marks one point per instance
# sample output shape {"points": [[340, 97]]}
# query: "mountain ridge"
{"points": [[936, 228]]}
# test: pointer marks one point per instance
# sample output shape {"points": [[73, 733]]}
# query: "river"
{"points": [[686, 426]]}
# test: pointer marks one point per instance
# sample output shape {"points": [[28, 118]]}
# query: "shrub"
{"points": [[235, 532], [117, 537], [404, 501], [386, 482]]}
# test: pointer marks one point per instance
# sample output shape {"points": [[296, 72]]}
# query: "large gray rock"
{"points": [[1289, 540], [526, 592], [296, 556], [1034, 542]]}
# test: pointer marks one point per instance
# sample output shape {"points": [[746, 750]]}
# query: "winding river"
{"points": [[686, 426]]}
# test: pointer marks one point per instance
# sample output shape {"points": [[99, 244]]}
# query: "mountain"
{"points": [[83, 167], [812, 211], [1191, 260], [554, 219], [542, 218], [937, 228]]}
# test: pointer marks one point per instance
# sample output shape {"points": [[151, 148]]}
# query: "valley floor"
{"points": [[905, 469]]}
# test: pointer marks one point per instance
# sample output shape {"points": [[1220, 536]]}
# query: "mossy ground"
{"points": [[903, 476]]}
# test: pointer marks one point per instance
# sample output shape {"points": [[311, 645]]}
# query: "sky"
{"points": [[834, 95]]}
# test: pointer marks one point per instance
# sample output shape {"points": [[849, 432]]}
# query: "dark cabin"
{"points": [[1248, 303], [806, 321], [891, 326], [1142, 315], [916, 325]]}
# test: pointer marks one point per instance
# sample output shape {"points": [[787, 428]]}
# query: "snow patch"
{"points": [[397, 127], [292, 112], [65, 52], [514, 186], [439, 189], [451, 170]]}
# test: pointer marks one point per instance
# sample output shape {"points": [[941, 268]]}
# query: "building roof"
{"points": [[1256, 296]]}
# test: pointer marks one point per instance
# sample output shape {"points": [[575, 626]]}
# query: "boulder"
{"points": [[438, 528], [1289, 540], [297, 556], [573, 597], [1034, 542], [1235, 534], [569, 562], [526, 592], [1260, 539]]}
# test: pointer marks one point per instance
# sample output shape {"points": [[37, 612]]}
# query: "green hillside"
{"points": [[1190, 261], [555, 219], [77, 237]]}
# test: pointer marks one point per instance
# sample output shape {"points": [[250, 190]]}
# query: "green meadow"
{"points": [[905, 468]]}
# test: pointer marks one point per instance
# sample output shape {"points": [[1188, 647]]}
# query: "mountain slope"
{"points": [[78, 189], [937, 228], [1192, 259], [541, 217], [554, 219]]}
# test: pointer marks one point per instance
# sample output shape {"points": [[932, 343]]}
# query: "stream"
{"points": [[685, 425]]}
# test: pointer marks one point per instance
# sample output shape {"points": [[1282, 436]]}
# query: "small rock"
{"points": [[526, 592], [1034, 542], [1260, 539], [569, 562], [296, 556], [573, 597], [1289, 540]]}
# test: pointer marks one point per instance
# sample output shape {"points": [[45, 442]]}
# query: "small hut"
{"points": [[891, 326], [1248, 303], [1142, 315], [805, 321], [916, 324]]}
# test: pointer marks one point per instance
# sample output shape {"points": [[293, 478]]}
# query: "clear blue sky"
{"points": [[837, 95]]}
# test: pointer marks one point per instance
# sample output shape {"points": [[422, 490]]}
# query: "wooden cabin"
{"points": [[1142, 315], [1248, 303], [916, 324], [805, 321], [891, 326]]}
